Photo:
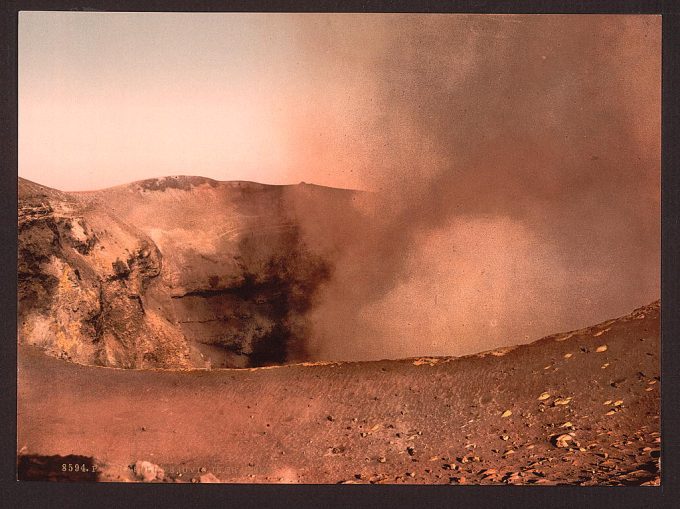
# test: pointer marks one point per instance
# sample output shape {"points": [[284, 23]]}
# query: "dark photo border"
{"points": [[96, 495]]}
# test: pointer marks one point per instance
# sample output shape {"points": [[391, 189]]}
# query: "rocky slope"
{"points": [[176, 272], [573, 408]]}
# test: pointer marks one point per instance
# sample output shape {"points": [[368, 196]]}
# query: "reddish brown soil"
{"points": [[408, 421]]}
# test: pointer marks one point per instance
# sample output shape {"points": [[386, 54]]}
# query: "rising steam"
{"points": [[517, 166]]}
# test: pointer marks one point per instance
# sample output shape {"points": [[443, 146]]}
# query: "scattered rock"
{"points": [[148, 472], [544, 396], [513, 478], [378, 478], [562, 441], [507, 413], [602, 348], [208, 478]]}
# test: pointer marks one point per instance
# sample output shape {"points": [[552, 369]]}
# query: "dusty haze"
{"points": [[515, 160], [520, 169]]}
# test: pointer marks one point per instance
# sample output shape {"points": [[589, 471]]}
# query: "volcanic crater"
{"points": [[177, 272]]}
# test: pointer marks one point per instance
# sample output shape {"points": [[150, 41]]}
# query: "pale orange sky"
{"points": [[108, 98], [367, 101]]}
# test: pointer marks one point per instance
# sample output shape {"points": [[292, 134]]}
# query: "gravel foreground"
{"points": [[579, 408]]}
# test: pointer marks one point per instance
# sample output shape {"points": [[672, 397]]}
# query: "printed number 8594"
{"points": [[75, 467]]}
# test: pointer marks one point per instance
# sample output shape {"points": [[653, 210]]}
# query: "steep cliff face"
{"points": [[59, 297], [175, 272], [82, 276]]}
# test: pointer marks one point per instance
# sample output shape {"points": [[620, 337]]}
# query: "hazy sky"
{"points": [[334, 99], [518, 157], [108, 98]]}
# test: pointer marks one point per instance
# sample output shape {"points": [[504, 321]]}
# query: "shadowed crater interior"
{"points": [[258, 318], [178, 272]]}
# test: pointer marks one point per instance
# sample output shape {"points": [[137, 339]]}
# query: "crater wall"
{"points": [[177, 272]]}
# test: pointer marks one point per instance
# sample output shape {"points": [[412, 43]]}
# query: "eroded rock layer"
{"points": [[176, 272]]}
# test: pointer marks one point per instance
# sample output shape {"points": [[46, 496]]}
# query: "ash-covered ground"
{"points": [[573, 408]]}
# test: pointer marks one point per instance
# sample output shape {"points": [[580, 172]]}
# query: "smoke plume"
{"points": [[515, 162]]}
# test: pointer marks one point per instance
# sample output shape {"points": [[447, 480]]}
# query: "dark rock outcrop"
{"points": [[176, 272]]}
